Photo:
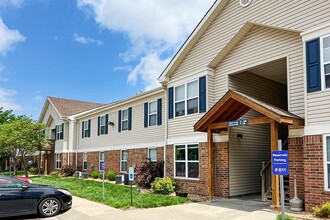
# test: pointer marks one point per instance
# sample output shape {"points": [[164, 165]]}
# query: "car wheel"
{"points": [[49, 207]]}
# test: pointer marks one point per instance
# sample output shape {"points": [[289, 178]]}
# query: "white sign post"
{"points": [[131, 179]]}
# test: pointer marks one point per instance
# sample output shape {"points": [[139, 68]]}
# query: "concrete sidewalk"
{"points": [[223, 209]]}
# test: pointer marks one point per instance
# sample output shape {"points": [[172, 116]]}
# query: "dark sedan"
{"points": [[21, 198]]}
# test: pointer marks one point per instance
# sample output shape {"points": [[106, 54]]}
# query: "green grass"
{"points": [[18, 172], [117, 196]]}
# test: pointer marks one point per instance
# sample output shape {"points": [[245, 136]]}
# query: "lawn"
{"points": [[117, 196]]}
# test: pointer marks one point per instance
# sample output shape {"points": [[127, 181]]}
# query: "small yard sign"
{"points": [[280, 162], [131, 173], [239, 122], [102, 166]]}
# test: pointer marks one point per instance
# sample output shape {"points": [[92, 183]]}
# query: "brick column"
{"points": [[221, 169]]}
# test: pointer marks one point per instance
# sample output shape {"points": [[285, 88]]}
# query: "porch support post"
{"points": [[210, 162], [46, 163], [275, 179]]}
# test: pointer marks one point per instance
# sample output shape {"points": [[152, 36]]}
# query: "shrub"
{"points": [[323, 211], [68, 170], [279, 217], [96, 174], [33, 170], [111, 175], [148, 171], [55, 173], [163, 185]]}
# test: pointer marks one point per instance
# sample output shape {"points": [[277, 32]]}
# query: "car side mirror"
{"points": [[24, 187]]}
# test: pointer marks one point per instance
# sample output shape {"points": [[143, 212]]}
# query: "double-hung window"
{"points": [[102, 125], [325, 59], [85, 128], [58, 161], [123, 161], [186, 99], [327, 163], [101, 159], [59, 131], [187, 161], [84, 161], [124, 120], [152, 113], [42, 160], [152, 154]]}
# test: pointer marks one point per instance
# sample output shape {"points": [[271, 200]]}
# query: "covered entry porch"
{"points": [[227, 113]]}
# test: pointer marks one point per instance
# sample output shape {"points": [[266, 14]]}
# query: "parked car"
{"points": [[24, 179], [22, 198]]}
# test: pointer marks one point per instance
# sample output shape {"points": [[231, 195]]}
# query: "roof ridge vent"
{"points": [[245, 3]]}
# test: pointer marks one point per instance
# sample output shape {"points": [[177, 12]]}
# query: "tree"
{"points": [[6, 116], [21, 137]]}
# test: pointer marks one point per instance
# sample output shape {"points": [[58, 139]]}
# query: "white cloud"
{"points": [[8, 38], [38, 98], [7, 100], [14, 3], [86, 40], [156, 29]]}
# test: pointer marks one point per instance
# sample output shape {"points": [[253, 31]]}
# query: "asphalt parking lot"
{"points": [[222, 209]]}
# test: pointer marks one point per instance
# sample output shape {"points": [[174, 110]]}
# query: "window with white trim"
{"points": [[152, 113], [42, 160], [86, 129], [59, 132], [84, 161], [124, 120], [101, 159], [152, 154], [123, 161], [186, 99], [186, 161], [327, 163], [102, 125], [58, 161], [325, 59]]}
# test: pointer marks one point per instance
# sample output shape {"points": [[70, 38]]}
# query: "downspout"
{"points": [[77, 146], [166, 126]]}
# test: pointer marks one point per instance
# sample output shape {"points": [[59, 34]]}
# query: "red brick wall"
{"points": [[112, 160], [314, 172], [221, 169], [137, 156], [160, 153], [80, 161], [296, 166], [197, 187], [92, 158]]}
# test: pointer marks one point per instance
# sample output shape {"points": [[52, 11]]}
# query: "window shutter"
{"points": [[146, 114], [313, 70], [170, 102], [202, 94], [119, 121], [130, 118], [89, 128], [55, 132], [98, 125], [82, 129], [62, 131], [159, 111], [106, 123]]}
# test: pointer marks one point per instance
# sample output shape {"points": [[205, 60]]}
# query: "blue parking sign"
{"points": [[102, 166], [280, 162]]}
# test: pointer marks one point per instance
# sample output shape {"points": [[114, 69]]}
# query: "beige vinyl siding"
{"points": [[296, 15], [246, 155], [318, 105], [138, 136], [182, 126]]}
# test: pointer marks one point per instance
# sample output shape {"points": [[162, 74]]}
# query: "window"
{"points": [[102, 125], [85, 129], [152, 113], [41, 160], [84, 161], [327, 163], [187, 161], [123, 161], [186, 99], [9, 183], [325, 58], [59, 131], [124, 120], [152, 154], [101, 159], [58, 161]]}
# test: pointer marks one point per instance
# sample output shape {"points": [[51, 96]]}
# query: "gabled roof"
{"points": [[233, 105], [67, 107]]}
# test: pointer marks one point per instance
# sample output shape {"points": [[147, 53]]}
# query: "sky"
{"points": [[92, 50]]}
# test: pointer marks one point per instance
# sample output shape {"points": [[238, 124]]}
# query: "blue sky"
{"points": [[91, 50]]}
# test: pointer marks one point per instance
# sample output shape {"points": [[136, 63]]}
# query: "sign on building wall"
{"points": [[240, 122]]}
